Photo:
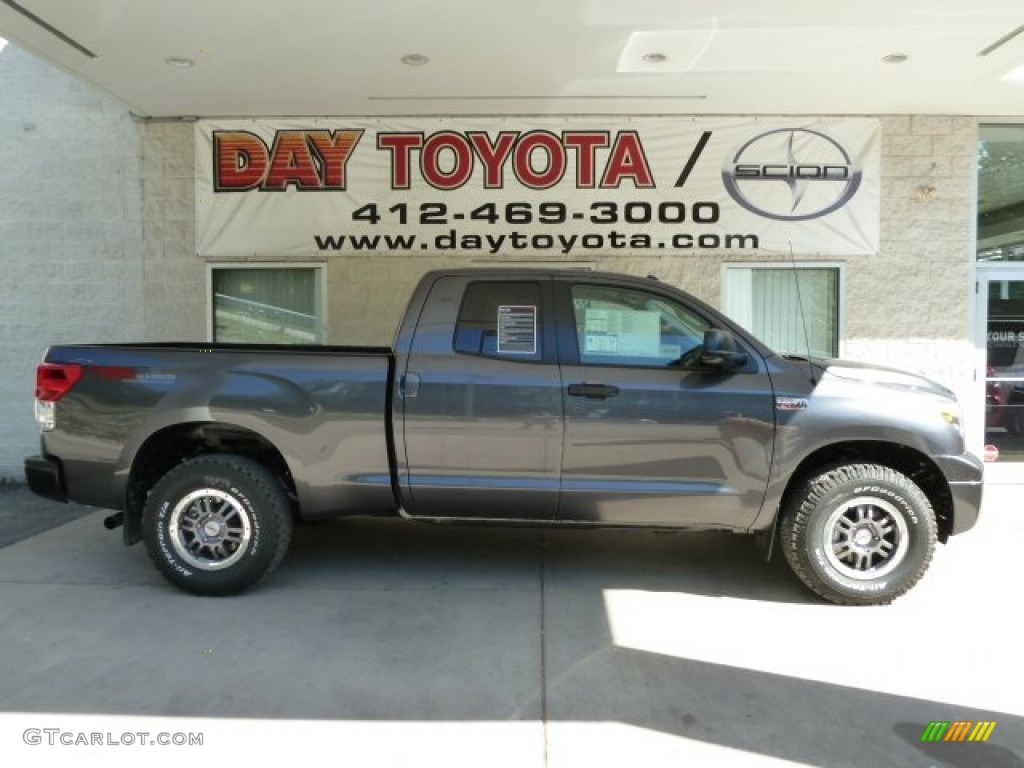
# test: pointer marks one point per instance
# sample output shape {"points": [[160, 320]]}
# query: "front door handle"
{"points": [[593, 391], [409, 385]]}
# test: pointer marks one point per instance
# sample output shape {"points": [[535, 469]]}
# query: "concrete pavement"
{"points": [[387, 643]]}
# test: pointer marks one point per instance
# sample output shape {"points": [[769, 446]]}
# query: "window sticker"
{"points": [[517, 330], [622, 332], [601, 344]]}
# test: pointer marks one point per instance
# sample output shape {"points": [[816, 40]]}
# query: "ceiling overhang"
{"points": [[320, 57]]}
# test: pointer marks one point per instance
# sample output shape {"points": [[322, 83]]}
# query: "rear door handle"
{"points": [[593, 391]]}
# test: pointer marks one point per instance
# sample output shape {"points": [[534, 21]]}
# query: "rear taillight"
{"points": [[53, 381]]}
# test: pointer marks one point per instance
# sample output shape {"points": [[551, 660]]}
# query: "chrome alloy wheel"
{"points": [[868, 538], [210, 529]]}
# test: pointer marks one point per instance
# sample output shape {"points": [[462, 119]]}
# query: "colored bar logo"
{"points": [[958, 730]]}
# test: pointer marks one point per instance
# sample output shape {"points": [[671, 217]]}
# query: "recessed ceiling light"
{"points": [[665, 52], [895, 58], [179, 61], [415, 59]]}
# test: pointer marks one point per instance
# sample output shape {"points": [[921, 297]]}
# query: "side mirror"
{"points": [[721, 351]]}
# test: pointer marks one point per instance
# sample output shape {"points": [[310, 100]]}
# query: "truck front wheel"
{"points": [[858, 534], [217, 524]]}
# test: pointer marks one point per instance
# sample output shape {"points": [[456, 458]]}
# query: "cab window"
{"points": [[500, 319], [626, 326]]}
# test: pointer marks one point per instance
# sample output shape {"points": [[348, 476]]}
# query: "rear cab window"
{"points": [[502, 320]]}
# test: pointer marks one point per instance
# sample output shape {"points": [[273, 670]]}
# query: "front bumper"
{"points": [[45, 477], [964, 474]]}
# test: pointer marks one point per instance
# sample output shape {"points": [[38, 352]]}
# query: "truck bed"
{"points": [[324, 408]]}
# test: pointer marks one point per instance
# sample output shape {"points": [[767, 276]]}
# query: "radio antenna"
{"points": [[803, 315]]}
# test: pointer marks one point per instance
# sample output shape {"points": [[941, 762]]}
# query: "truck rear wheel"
{"points": [[217, 524], [858, 534]]}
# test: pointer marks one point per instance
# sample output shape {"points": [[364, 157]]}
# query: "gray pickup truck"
{"points": [[531, 397]]}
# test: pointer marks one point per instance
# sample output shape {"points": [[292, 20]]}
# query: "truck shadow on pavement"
{"points": [[688, 635], [714, 564], [23, 515]]}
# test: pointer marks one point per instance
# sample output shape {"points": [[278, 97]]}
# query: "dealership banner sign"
{"points": [[528, 187]]}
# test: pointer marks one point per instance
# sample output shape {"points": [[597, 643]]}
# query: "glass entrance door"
{"points": [[1000, 305], [1002, 295]]}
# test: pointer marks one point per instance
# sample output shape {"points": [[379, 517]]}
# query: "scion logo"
{"points": [[820, 175]]}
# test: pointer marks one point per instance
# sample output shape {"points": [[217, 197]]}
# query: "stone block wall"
{"points": [[70, 231], [174, 278]]}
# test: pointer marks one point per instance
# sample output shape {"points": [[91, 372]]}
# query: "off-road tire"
{"points": [[217, 524], [858, 534]]}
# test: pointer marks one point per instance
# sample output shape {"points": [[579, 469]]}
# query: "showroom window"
{"points": [[1000, 253], [776, 302], [267, 304], [1001, 193]]}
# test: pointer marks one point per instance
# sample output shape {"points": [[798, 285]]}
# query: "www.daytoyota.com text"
{"points": [[627, 219]]}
